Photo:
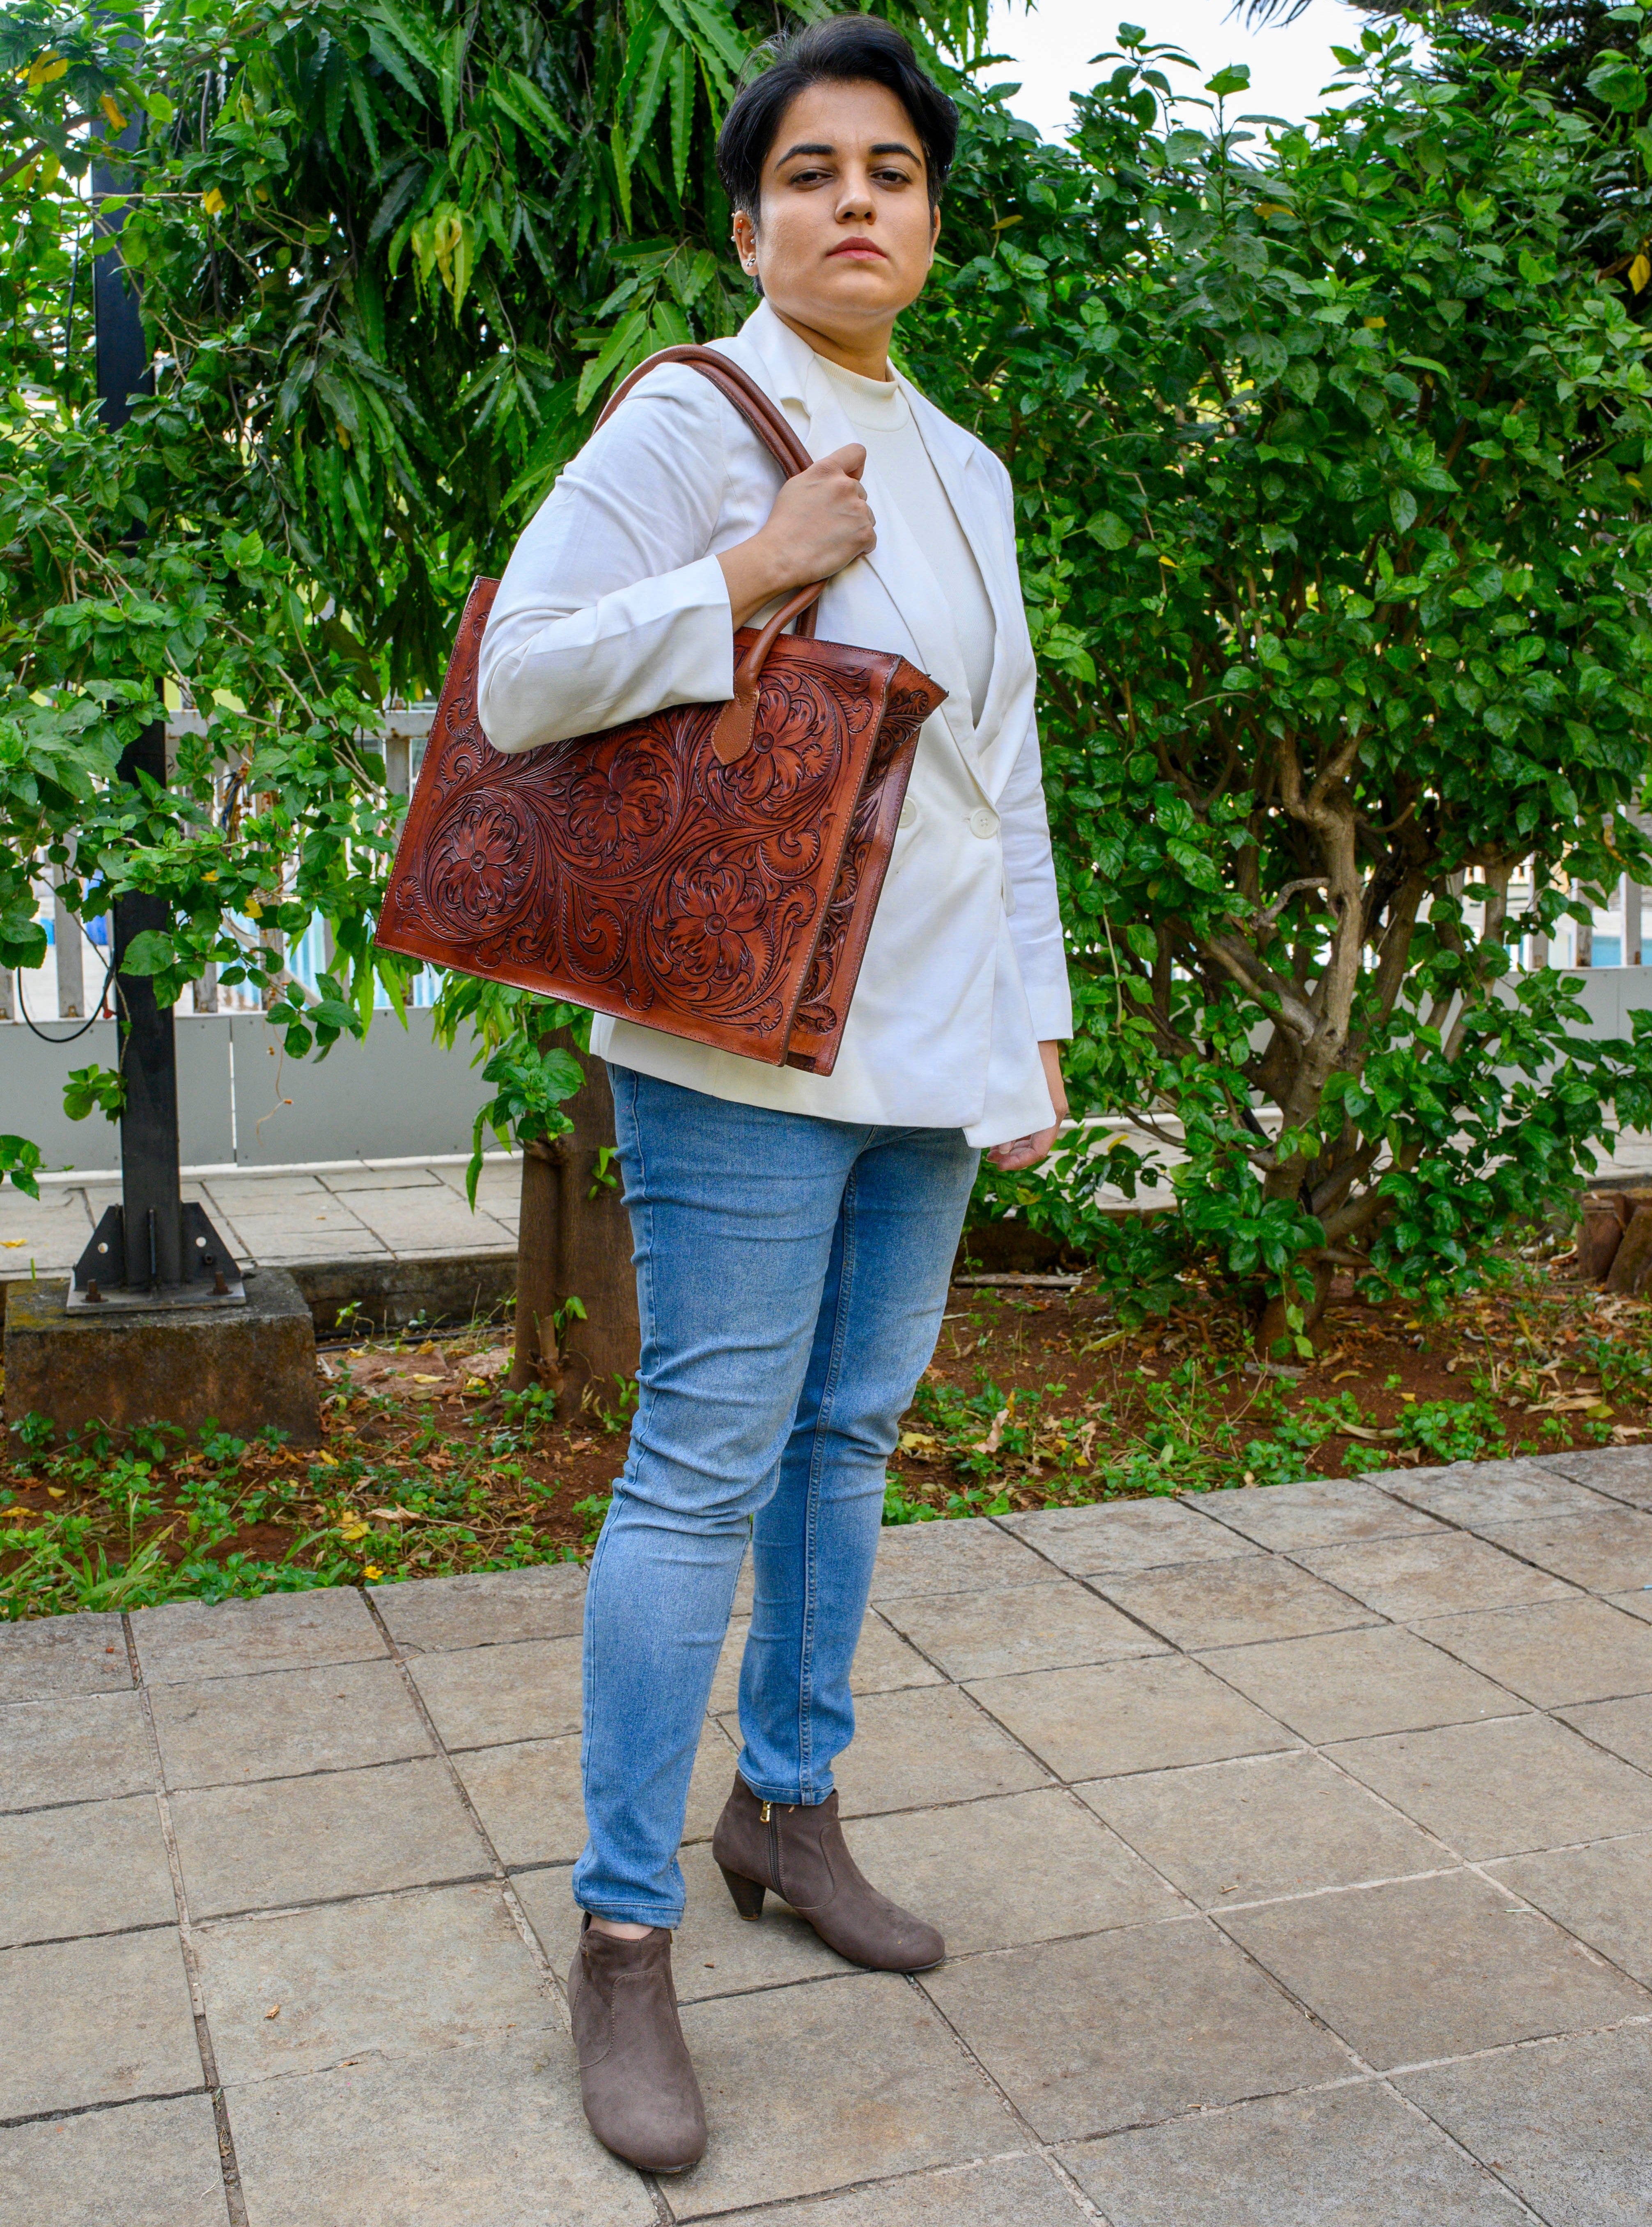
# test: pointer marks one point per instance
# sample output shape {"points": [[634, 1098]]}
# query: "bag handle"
{"points": [[731, 736]]}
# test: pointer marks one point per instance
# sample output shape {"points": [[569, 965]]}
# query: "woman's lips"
{"points": [[862, 250]]}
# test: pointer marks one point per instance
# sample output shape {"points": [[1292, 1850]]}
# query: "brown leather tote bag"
{"points": [[711, 872]]}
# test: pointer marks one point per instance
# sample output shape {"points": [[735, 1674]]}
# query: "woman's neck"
{"points": [[865, 354]]}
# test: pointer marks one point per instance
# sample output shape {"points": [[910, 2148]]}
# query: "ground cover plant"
{"points": [[1036, 1398]]}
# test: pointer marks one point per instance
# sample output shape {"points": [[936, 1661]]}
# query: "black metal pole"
{"points": [[147, 1047]]}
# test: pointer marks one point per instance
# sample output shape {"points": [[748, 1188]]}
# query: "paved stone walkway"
{"points": [[288, 1217], [1293, 1845]]}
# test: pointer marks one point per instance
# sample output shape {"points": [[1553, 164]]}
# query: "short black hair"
{"points": [[842, 49]]}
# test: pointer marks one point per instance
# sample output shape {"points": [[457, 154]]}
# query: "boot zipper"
{"points": [[767, 1816]]}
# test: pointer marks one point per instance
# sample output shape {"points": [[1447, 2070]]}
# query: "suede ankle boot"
{"points": [[798, 1850], [636, 2078]]}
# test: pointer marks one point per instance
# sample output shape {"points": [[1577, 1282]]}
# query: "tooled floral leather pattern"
{"points": [[632, 872]]}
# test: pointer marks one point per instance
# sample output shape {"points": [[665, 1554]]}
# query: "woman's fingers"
{"points": [[1022, 1152], [822, 520]]}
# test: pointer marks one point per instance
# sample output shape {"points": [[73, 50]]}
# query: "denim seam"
{"points": [[645, 1311], [806, 1782]]}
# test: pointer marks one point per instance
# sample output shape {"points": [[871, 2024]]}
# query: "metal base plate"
{"points": [[159, 1298], [100, 1278]]}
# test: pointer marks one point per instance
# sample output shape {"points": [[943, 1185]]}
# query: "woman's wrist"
{"points": [[754, 576]]}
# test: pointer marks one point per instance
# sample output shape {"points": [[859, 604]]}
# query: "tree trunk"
{"points": [[574, 1242], [1272, 1325]]}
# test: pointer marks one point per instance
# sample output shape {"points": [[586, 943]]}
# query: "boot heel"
{"points": [[747, 1895]]}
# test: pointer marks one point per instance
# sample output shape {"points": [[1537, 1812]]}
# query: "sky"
{"points": [[1054, 41]]}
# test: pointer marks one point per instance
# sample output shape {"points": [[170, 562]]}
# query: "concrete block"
{"points": [[242, 1366]]}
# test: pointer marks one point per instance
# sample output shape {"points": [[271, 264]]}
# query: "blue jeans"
{"points": [[791, 1277]]}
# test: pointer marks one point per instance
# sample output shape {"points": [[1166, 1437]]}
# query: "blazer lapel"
{"points": [[962, 476]]}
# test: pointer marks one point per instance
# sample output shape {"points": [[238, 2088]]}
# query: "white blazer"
{"points": [[613, 606]]}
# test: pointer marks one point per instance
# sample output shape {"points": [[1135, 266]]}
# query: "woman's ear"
{"points": [[745, 242]]}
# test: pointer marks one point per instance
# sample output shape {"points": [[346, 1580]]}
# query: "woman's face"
{"points": [[845, 235]]}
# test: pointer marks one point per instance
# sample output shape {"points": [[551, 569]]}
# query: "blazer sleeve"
{"points": [[1035, 920], [611, 607]]}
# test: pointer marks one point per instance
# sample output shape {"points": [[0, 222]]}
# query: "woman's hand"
{"points": [[1027, 1151], [820, 522]]}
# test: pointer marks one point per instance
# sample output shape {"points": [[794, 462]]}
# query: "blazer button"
{"points": [[983, 822]]}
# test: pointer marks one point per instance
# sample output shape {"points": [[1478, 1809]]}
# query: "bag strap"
{"points": [[732, 737]]}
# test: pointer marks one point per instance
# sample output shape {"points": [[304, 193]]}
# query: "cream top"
{"points": [[883, 422]]}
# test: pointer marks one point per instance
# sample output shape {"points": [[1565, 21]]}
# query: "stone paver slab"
{"points": [[1475, 1493], [1565, 2124], [47, 1655], [223, 1731], [1122, 1536], [485, 1696], [929, 1744], [1226, 1603], [1622, 1473], [396, 1975], [82, 1749], [953, 1557], [808, 2089], [1143, 1715], [95, 2022], [999, 1873], [1603, 1894], [162, 2158], [96, 1867], [1318, 1512], [1625, 1728], [884, 1662], [1559, 1651], [1007, 2192], [1088, 2036], [1609, 1553], [970, 1635], [547, 1602], [1354, 2157], [1345, 1684], [1409, 1578], [277, 1631], [528, 1794], [318, 1840], [1504, 1788], [492, 2135], [1227, 1833], [1432, 1968]]}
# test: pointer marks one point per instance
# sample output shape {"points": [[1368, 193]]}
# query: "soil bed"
{"points": [[1036, 1397]]}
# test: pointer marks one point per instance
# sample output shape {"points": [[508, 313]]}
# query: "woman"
{"points": [[794, 1232]]}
